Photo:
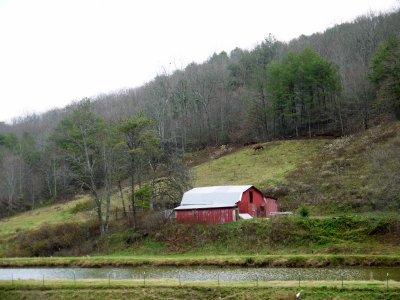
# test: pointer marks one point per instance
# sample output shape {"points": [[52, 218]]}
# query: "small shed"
{"points": [[223, 204]]}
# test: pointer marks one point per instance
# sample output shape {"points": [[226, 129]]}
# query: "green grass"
{"points": [[346, 234], [140, 282], [171, 289], [304, 260], [259, 168], [33, 219]]}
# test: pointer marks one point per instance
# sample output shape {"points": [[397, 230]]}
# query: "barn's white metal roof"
{"points": [[213, 196]]}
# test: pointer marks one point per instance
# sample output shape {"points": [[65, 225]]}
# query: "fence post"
{"points": [[109, 275], [299, 279], [43, 281], [257, 279], [387, 281], [180, 284], [218, 279], [12, 279], [342, 280], [144, 278]]}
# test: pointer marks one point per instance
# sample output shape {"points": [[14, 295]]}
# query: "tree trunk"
{"points": [[122, 198], [99, 214], [151, 204], [133, 192], [264, 114], [107, 217], [55, 179], [340, 118]]}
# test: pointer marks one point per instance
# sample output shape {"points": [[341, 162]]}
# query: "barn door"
{"points": [[262, 210]]}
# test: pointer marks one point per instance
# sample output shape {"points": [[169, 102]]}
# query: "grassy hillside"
{"points": [[241, 167], [53, 214], [346, 235], [76, 212], [334, 178], [358, 173], [258, 167]]}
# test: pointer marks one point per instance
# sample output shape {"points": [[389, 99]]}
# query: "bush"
{"points": [[304, 212], [52, 239], [83, 206], [151, 222], [142, 195]]}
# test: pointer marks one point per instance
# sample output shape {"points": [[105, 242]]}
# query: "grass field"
{"points": [[56, 213], [155, 289], [293, 260], [260, 168]]}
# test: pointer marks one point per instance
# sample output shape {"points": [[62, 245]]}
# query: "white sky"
{"points": [[53, 52]]}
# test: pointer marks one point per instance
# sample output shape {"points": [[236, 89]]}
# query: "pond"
{"points": [[203, 273]]}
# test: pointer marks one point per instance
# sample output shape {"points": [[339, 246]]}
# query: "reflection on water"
{"points": [[203, 273]]}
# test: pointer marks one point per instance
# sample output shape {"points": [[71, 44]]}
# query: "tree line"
{"points": [[85, 153], [337, 82]]}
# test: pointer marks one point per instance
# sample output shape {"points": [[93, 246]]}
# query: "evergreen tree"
{"points": [[385, 75]]}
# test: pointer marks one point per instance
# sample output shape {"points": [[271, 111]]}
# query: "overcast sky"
{"points": [[53, 52]]}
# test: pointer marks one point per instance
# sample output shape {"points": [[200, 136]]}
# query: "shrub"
{"points": [[304, 211], [151, 222], [142, 195], [83, 206], [52, 239]]}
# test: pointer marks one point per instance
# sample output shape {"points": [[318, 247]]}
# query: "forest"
{"points": [[335, 83]]}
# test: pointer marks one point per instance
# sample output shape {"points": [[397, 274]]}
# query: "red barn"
{"points": [[224, 204]]}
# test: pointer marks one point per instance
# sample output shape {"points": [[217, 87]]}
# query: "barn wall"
{"points": [[271, 206], [206, 216], [253, 209]]}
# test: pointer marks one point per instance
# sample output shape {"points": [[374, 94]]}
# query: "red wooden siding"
{"points": [[252, 202], [271, 206], [206, 216], [254, 209]]}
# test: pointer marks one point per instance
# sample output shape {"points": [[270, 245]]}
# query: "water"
{"points": [[202, 273]]}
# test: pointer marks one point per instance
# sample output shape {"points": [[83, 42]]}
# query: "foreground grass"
{"points": [[366, 236], [173, 289], [207, 260]]}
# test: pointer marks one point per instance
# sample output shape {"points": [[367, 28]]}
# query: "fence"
{"points": [[118, 213], [219, 279]]}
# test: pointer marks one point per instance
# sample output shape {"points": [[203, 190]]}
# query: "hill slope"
{"points": [[356, 173], [262, 168]]}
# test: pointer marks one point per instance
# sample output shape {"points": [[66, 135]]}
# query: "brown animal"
{"points": [[258, 147]]}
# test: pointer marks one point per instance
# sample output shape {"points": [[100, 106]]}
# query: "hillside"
{"points": [[340, 177], [357, 173], [261, 168]]}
